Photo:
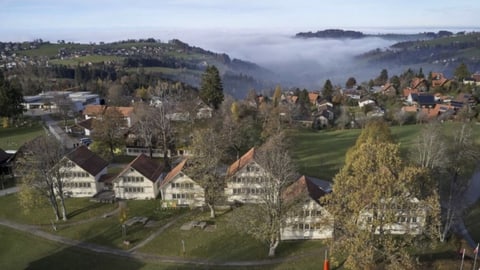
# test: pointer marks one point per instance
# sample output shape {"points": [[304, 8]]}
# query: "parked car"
{"points": [[86, 141]]}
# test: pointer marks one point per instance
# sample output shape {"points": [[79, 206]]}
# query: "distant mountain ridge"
{"points": [[351, 34]]}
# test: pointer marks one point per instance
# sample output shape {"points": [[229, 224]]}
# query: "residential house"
{"points": [[97, 112], [438, 80], [311, 220], [313, 97], [244, 180], [420, 84], [407, 92], [389, 90], [408, 220], [177, 188], [140, 179], [82, 170]]}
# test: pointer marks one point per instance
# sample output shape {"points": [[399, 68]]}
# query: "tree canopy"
{"points": [[374, 190], [11, 98], [211, 88]]}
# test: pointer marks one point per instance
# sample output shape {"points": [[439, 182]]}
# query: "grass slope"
{"points": [[12, 138]]}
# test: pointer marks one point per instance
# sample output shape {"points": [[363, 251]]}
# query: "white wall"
{"points": [[145, 189], [81, 183], [249, 183], [312, 221], [184, 186]]}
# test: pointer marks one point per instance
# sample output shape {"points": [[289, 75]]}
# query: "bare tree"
{"points": [[450, 155], [42, 173], [264, 221], [146, 127], [65, 107]]}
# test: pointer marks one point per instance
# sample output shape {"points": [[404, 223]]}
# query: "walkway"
{"points": [[7, 191], [32, 229]]}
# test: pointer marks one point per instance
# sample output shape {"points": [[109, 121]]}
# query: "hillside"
{"points": [[350, 34], [173, 60], [445, 53]]}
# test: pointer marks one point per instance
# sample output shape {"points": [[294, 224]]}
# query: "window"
{"points": [[134, 189]]}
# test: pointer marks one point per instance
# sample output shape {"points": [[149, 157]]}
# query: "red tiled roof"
{"points": [[146, 166], [313, 97], [94, 109], [241, 162], [408, 91], [174, 172], [412, 108], [87, 160], [101, 109], [417, 81]]}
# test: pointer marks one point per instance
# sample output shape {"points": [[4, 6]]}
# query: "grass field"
{"points": [[322, 153], [222, 244], [77, 209], [82, 60], [12, 138]]}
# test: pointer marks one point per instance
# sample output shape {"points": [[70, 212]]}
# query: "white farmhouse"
{"points": [[177, 188], [140, 179], [245, 180], [311, 220], [82, 170]]}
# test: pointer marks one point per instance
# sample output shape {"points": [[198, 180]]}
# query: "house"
{"points": [[82, 170], [311, 220], [407, 92], [313, 97], [177, 188], [420, 84], [244, 179], [140, 179], [438, 80], [97, 112], [410, 220], [425, 100], [389, 90]]}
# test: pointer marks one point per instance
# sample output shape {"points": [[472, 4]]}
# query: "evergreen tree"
{"points": [[11, 99], [211, 88], [327, 91], [462, 72]]}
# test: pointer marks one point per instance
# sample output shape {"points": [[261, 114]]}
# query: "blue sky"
{"points": [[96, 20]]}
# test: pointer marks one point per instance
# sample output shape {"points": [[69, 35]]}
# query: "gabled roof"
{"points": [[313, 97], [101, 109], [174, 172], [87, 160], [94, 109], [408, 91], [305, 185], [86, 124], [241, 162], [416, 82], [146, 166], [463, 97]]}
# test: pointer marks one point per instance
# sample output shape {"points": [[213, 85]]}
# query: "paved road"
{"points": [[59, 132], [7, 191]]}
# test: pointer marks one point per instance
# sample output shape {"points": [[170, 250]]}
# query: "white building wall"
{"points": [[191, 193], [312, 221], [145, 189], [248, 182], [80, 183]]}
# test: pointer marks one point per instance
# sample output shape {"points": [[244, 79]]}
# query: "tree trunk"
{"points": [[273, 246], [212, 210], [54, 205], [64, 209]]}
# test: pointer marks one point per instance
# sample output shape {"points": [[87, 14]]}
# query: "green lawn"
{"points": [[322, 153], [13, 138], [222, 244], [77, 209]]}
